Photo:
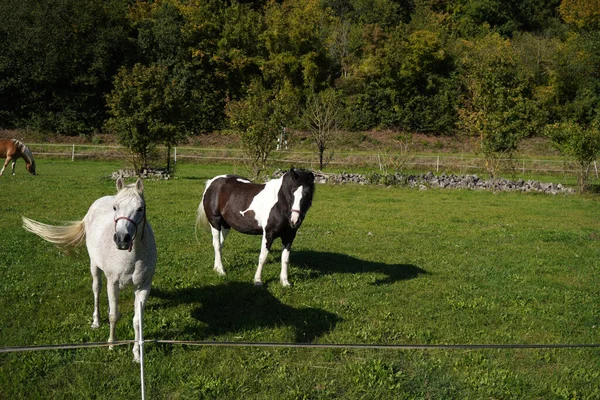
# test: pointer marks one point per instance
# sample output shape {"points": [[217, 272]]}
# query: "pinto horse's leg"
{"points": [[264, 252], [285, 258], [224, 233], [112, 289], [141, 295], [96, 285], [217, 238], [13, 165]]}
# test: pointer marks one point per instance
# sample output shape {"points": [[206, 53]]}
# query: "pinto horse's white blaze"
{"points": [[107, 218], [295, 218], [274, 210]]}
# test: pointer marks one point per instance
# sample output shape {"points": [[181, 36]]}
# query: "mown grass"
{"points": [[369, 265]]}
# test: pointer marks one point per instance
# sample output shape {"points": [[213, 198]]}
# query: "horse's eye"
{"points": [[140, 209], [115, 208]]}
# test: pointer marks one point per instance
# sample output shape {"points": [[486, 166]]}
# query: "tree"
{"points": [[146, 106], [497, 110], [57, 59], [259, 118], [579, 143], [322, 118], [582, 13]]}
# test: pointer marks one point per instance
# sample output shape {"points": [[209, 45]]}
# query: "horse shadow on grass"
{"points": [[317, 263], [237, 307]]}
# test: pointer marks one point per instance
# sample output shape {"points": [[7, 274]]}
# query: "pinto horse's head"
{"points": [[301, 186], [129, 213]]}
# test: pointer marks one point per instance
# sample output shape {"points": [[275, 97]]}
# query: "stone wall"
{"points": [[443, 181]]}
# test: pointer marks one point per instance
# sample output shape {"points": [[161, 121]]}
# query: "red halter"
{"points": [[136, 227]]}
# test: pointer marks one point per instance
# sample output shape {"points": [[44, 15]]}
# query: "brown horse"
{"points": [[12, 149]]}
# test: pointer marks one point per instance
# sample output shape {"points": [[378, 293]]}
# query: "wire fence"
{"points": [[340, 346], [440, 163]]}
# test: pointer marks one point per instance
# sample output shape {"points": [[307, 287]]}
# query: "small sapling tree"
{"points": [[145, 107], [582, 144], [259, 118], [322, 118]]}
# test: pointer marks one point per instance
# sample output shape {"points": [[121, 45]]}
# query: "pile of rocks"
{"points": [[429, 180], [149, 173]]}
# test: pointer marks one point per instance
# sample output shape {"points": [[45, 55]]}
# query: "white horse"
{"points": [[120, 242]]}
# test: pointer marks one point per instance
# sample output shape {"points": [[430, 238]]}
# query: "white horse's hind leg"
{"points": [[112, 289], [264, 252], [96, 285], [140, 297], [217, 238]]}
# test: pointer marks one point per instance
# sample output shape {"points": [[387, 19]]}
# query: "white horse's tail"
{"points": [[71, 235]]}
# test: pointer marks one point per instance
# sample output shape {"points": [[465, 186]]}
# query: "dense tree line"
{"points": [[497, 69]]}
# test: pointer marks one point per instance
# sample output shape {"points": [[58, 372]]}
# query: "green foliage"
{"points": [[398, 64], [579, 143], [57, 59], [146, 107], [498, 109], [259, 118]]}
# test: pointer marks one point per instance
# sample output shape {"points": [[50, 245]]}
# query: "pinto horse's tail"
{"points": [[71, 235], [201, 219]]}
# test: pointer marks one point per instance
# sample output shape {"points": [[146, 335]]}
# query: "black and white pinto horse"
{"points": [[274, 209]]}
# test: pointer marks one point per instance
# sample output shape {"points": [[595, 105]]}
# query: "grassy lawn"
{"points": [[370, 265]]}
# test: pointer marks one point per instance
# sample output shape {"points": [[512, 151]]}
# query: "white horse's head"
{"points": [[130, 213]]}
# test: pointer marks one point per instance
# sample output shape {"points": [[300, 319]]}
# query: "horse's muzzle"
{"points": [[296, 219], [123, 242]]}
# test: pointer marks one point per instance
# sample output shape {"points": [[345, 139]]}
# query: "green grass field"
{"points": [[370, 265]]}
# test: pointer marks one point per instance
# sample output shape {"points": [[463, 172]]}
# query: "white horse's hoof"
{"points": [[220, 271], [95, 325], [285, 283], [258, 283]]}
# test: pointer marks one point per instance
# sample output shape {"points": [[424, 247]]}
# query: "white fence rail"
{"points": [[458, 164]]}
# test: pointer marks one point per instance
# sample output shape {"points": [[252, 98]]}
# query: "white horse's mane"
{"points": [[129, 191]]}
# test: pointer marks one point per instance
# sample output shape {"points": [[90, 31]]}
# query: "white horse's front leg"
{"points": [[264, 252], [140, 302], [96, 285], [218, 245], [112, 289]]}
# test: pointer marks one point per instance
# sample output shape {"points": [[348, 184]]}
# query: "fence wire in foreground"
{"points": [[340, 346]]}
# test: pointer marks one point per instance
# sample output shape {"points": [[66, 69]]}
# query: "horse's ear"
{"points": [[311, 177], [139, 185], [120, 184], [293, 173]]}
